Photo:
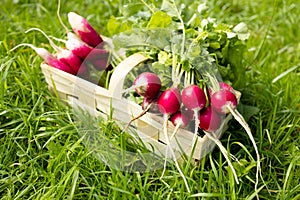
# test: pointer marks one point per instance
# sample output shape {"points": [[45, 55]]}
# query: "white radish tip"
{"points": [[72, 15], [71, 35], [74, 19]]}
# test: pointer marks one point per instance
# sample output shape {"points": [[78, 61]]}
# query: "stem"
{"points": [[147, 5], [183, 28], [59, 18], [192, 77], [174, 65]]}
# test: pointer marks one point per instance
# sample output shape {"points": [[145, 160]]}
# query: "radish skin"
{"points": [[63, 55], [194, 98], [169, 101], [84, 30], [147, 84], [48, 58], [221, 99], [210, 120]]}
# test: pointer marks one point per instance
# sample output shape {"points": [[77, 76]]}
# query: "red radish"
{"points": [[152, 103], [98, 57], [71, 59], [193, 97], [147, 84], [221, 99], [210, 120], [63, 55], [179, 119], [225, 86], [84, 30], [48, 58], [77, 46], [169, 101]]}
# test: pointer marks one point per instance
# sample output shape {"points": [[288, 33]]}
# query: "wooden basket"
{"points": [[98, 101]]}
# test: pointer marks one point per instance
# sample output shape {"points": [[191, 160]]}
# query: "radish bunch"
{"points": [[83, 51], [187, 105], [182, 106], [193, 103]]}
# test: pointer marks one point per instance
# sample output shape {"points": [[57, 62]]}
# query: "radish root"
{"points": [[238, 117], [137, 117], [168, 146], [215, 139]]}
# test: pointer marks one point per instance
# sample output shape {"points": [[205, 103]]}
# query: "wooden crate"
{"points": [[98, 102]]}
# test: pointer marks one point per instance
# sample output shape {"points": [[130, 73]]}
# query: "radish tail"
{"points": [[238, 117], [167, 148], [165, 130], [197, 122], [215, 139], [137, 117]]}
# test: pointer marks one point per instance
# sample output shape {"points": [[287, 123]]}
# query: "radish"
{"points": [[84, 30], [210, 120], [147, 84], [64, 55], [225, 86], [179, 119], [169, 101], [194, 98], [237, 116], [77, 46], [151, 103], [224, 101], [221, 99], [48, 58], [97, 57]]}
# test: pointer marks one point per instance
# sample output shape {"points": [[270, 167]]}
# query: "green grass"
{"points": [[43, 157]]}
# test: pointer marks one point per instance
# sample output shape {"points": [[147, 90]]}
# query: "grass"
{"points": [[42, 154]]}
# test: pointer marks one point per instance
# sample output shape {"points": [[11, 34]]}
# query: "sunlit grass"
{"points": [[42, 154]]}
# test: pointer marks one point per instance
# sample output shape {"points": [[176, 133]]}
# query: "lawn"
{"points": [[43, 156]]}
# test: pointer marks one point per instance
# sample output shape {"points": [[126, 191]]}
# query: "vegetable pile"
{"points": [[84, 52], [187, 80]]}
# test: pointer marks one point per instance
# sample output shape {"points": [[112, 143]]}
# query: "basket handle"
{"points": [[117, 79]]}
